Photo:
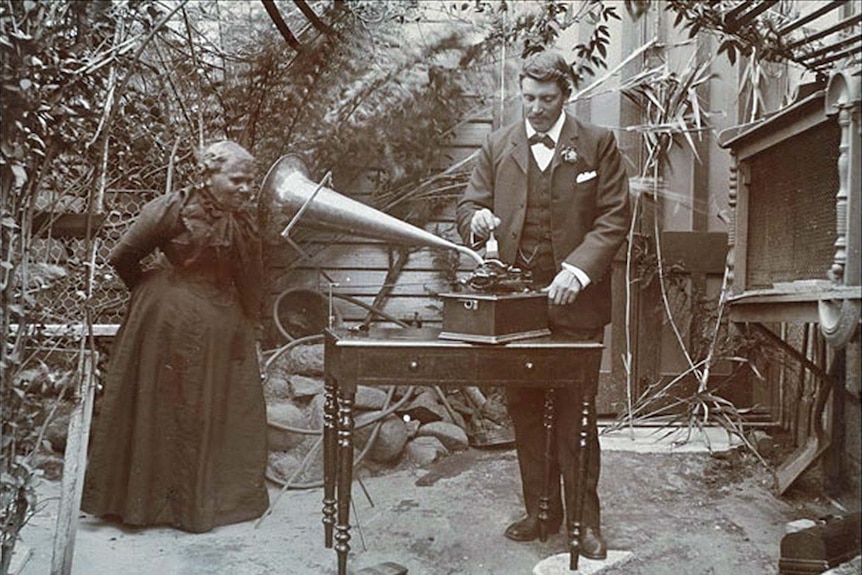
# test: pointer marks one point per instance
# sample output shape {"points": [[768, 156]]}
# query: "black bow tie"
{"points": [[542, 139]]}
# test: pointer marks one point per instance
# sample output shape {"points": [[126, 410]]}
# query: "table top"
{"points": [[428, 337]]}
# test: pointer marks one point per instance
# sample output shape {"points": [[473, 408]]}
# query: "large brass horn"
{"points": [[322, 207]]}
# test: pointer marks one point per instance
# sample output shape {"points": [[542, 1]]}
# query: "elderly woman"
{"points": [[181, 436]]}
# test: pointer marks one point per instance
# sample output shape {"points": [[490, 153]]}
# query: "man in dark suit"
{"points": [[554, 191]]}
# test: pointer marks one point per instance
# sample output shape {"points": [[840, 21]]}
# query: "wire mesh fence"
{"points": [[60, 245]]}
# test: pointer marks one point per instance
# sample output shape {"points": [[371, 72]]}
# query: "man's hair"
{"points": [[548, 67]]}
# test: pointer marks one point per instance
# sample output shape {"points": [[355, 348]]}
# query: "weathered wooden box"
{"points": [[819, 548], [494, 318]]}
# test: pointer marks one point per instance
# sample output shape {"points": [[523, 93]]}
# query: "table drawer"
{"points": [[407, 364], [527, 367]]}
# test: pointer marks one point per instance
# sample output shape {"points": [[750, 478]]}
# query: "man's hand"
{"points": [[565, 288], [483, 222]]}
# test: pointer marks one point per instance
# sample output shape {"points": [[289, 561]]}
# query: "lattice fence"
{"points": [[60, 245]]}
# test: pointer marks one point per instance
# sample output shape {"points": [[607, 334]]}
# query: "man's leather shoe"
{"points": [[527, 529], [592, 544]]}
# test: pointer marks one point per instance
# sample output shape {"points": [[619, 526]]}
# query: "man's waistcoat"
{"points": [[535, 250]]}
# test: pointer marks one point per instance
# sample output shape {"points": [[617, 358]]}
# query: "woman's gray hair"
{"points": [[215, 155], [548, 67]]}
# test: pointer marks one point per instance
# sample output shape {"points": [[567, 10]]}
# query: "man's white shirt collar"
{"points": [[541, 153], [555, 130]]}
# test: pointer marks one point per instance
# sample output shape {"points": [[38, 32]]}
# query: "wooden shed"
{"points": [[795, 265]]}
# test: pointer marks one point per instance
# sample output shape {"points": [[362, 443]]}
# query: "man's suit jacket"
{"points": [[589, 207]]}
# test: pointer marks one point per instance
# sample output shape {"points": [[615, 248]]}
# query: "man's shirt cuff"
{"points": [[579, 273]]}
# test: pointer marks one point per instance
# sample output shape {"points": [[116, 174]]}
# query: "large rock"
{"points": [[363, 423], [315, 415], [424, 450], [311, 454], [305, 387], [390, 440], [289, 415], [412, 427], [306, 360], [57, 428], [455, 418], [428, 406], [370, 398], [283, 465], [277, 386], [450, 435]]}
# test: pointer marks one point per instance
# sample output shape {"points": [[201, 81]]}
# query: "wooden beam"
{"points": [[735, 18], [810, 17], [850, 40], [815, 369], [846, 23], [74, 467], [312, 16], [829, 59], [279, 22]]}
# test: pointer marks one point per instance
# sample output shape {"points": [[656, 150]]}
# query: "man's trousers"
{"points": [[526, 408]]}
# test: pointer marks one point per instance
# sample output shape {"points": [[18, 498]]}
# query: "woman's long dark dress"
{"points": [[180, 439]]}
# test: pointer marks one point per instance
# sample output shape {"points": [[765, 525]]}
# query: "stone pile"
{"points": [[394, 426]]}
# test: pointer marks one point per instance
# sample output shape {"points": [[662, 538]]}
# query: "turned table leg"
{"points": [[544, 500], [575, 535], [345, 478], [330, 449]]}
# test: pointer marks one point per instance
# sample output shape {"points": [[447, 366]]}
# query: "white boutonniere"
{"points": [[569, 155], [585, 176]]}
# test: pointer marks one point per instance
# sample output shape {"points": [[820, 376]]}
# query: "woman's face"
{"points": [[232, 185]]}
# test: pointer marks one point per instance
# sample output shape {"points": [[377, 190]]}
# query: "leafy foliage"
{"points": [[757, 39], [366, 101], [671, 109], [60, 75], [538, 29], [758, 36]]}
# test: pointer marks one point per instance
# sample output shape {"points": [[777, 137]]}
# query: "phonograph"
{"points": [[496, 303]]}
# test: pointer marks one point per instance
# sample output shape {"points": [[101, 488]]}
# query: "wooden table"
{"points": [[417, 357]]}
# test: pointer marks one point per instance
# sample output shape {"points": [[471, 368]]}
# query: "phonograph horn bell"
{"points": [[322, 207]]}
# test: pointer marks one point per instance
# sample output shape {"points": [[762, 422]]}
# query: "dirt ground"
{"points": [[677, 511]]}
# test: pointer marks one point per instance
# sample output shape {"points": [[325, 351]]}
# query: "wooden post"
{"points": [[74, 466]]}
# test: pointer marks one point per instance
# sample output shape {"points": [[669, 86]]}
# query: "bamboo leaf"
{"points": [[687, 134], [695, 107]]}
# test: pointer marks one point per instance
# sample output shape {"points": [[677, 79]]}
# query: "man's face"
{"points": [[543, 103]]}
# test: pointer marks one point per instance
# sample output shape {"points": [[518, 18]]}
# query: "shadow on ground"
{"points": [[691, 513]]}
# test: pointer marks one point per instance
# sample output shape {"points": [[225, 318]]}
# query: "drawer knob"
{"points": [[413, 366], [528, 365]]}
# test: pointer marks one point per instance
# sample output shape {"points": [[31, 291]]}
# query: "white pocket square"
{"points": [[585, 176]]}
